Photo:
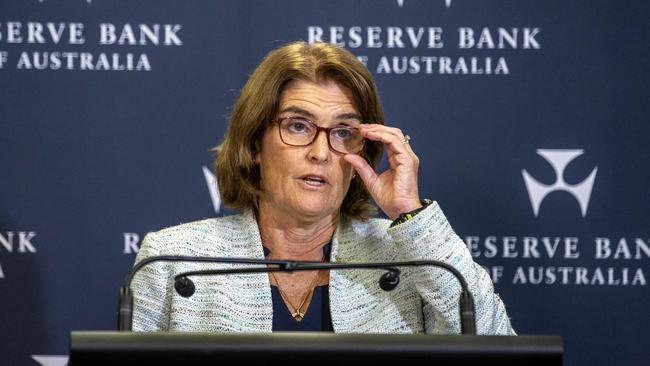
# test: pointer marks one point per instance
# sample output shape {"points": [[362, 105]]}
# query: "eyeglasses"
{"points": [[298, 131]]}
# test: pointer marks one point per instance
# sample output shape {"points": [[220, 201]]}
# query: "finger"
{"points": [[389, 131], [393, 142], [376, 127], [365, 171], [399, 156], [399, 153]]}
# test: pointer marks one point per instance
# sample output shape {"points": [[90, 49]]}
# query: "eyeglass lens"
{"points": [[302, 132]]}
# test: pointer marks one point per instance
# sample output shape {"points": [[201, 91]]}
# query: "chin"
{"points": [[316, 210]]}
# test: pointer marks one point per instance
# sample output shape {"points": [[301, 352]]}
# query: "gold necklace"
{"points": [[296, 311]]}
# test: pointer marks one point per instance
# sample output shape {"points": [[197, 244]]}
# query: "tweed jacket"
{"points": [[426, 300]]}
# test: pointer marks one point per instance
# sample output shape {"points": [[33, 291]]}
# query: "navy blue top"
{"points": [[317, 318]]}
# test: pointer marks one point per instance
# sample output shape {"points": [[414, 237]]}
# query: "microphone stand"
{"points": [[388, 281], [125, 303]]}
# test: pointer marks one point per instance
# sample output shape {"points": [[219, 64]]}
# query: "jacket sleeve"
{"points": [[151, 299], [428, 236]]}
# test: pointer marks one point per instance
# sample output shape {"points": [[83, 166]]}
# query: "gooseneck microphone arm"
{"points": [[388, 281], [125, 304]]}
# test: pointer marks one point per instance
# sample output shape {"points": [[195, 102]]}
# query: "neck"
{"points": [[295, 238]]}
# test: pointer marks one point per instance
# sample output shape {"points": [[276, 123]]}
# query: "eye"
{"points": [[297, 125], [343, 133]]}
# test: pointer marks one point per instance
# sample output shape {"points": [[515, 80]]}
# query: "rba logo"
{"points": [[559, 159], [400, 3], [213, 188], [18, 241], [132, 239], [51, 360]]}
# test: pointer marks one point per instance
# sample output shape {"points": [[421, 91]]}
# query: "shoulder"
{"points": [[358, 239], [373, 227], [204, 237], [200, 230], [376, 235]]}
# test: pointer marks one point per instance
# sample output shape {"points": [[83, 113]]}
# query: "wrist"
{"points": [[407, 215], [406, 207]]}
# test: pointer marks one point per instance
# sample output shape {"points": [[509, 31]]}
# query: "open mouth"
{"points": [[314, 180]]}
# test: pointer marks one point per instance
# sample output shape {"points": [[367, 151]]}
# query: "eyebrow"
{"points": [[342, 116]]}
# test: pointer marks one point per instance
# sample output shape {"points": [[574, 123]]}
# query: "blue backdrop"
{"points": [[530, 118]]}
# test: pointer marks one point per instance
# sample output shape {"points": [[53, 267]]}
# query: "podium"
{"points": [[298, 348]]}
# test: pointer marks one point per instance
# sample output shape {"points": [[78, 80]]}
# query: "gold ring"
{"points": [[406, 140]]}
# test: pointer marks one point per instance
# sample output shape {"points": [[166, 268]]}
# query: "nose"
{"points": [[319, 150]]}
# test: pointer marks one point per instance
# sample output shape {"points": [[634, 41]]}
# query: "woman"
{"points": [[299, 157]]}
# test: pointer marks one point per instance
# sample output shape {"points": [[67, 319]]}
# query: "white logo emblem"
{"points": [[51, 360], [559, 159], [400, 3], [213, 187]]}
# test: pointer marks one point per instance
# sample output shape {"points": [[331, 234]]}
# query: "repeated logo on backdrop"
{"points": [[400, 3], [131, 240], [475, 50], [213, 188], [562, 248], [51, 360], [63, 42], [559, 159], [16, 243]]}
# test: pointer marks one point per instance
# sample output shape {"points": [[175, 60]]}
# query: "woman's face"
{"points": [[307, 181]]}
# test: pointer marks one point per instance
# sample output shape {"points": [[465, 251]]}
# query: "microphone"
{"points": [[184, 288], [387, 282]]}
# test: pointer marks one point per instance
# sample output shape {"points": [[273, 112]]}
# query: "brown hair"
{"points": [[258, 103]]}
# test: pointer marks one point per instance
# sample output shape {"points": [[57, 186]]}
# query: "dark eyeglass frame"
{"points": [[327, 130]]}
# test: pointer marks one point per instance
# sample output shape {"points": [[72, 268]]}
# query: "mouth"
{"points": [[314, 180]]}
